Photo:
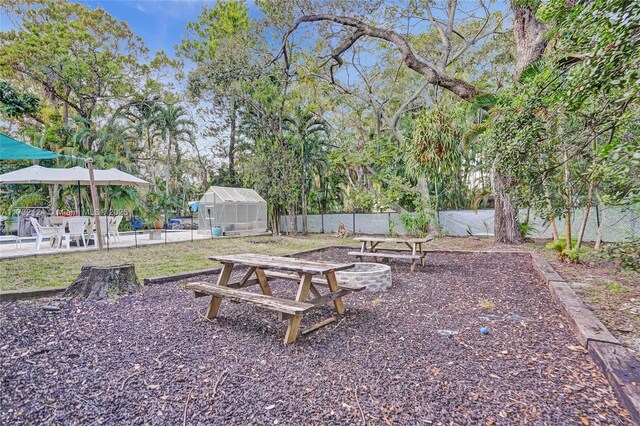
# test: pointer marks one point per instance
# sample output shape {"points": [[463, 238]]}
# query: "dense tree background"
{"points": [[340, 106]]}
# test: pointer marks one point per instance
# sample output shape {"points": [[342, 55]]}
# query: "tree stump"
{"points": [[98, 282]]}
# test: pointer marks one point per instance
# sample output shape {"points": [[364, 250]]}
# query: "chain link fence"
{"points": [[614, 224]]}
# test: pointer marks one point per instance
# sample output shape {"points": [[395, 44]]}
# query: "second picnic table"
{"points": [[414, 244], [308, 273]]}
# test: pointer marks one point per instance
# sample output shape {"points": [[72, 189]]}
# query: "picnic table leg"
{"points": [[333, 286], [264, 283], [294, 321], [374, 250], [423, 261], [223, 280]]}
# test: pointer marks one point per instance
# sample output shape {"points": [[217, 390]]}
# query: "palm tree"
{"points": [[310, 132], [174, 125]]}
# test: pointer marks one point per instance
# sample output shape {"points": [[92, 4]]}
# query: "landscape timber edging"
{"points": [[618, 364], [11, 295]]}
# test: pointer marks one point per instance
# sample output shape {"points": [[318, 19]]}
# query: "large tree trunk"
{"points": [[232, 138], [293, 223], [505, 224], [96, 282], [530, 45], [529, 37], [552, 218]]}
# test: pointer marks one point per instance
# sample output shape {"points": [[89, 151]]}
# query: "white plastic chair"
{"points": [[105, 228], [114, 225], [91, 224], [77, 226], [43, 231]]}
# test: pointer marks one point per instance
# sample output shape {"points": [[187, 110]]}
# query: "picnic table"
{"points": [[309, 274], [415, 245]]}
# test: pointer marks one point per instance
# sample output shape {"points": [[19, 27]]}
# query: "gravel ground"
{"points": [[152, 359]]}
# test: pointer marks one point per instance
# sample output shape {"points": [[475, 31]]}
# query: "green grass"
{"points": [[60, 270]]}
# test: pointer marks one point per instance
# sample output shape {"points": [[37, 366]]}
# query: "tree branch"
{"points": [[459, 87]]}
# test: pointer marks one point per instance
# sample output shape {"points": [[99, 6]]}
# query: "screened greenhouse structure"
{"points": [[235, 210]]}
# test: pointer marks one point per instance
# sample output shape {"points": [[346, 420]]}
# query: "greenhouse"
{"points": [[235, 210]]}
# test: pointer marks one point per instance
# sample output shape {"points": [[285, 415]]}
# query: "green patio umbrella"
{"points": [[11, 149]]}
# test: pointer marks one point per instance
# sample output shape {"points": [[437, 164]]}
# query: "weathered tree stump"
{"points": [[98, 282]]}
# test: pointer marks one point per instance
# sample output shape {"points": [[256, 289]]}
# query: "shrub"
{"points": [[569, 256], [626, 254]]}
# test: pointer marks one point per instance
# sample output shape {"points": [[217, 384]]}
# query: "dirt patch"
{"points": [[613, 295], [412, 354]]}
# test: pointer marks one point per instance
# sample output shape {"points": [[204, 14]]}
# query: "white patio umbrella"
{"points": [[74, 176]]}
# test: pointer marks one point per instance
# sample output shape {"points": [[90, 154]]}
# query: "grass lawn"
{"points": [[60, 270]]}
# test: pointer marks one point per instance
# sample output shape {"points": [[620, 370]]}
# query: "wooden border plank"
{"points": [[622, 370]]}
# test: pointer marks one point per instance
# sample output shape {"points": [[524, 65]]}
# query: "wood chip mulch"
{"points": [[411, 355]]}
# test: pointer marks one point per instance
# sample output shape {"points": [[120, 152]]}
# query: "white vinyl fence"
{"points": [[617, 224]]}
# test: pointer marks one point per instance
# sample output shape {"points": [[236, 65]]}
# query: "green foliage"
{"points": [[572, 255], [617, 288], [486, 304], [527, 228], [78, 56], [422, 221], [14, 103], [393, 229], [626, 254], [225, 20], [436, 151]]}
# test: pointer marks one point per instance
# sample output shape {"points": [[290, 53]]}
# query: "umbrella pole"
{"points": [[94, 200], [79, 200]]}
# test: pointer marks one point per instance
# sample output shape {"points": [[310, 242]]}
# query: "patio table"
{"points": [[309, 275], [415, 246]]}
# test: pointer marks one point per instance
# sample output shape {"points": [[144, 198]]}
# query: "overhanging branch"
{"points": [[459, 87]]}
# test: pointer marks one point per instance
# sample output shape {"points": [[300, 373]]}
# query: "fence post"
{"points": [[107, 222], [322, 223], [165, 226], [354, 223], [135, 231]]}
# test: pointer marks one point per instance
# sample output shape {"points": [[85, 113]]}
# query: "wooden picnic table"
{"points": [[414, 244], [309, 274]]}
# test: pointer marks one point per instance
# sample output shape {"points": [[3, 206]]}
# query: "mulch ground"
{"points": [[410, 355]]}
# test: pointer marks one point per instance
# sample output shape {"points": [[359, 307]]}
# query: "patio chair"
{"points": [[114, 225], [91, 224], [43, 231], [105, 229], [77, 227]]}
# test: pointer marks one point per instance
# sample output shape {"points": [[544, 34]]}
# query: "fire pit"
{"points": [[376, 276]]}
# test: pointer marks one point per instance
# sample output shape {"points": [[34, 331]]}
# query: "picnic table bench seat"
{"points": [[385, 255], [316, 281], [416, 254], [306, 272], [278, 304]]}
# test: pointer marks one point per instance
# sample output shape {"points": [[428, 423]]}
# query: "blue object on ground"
{"points": [[484, 330], [216, 231]]}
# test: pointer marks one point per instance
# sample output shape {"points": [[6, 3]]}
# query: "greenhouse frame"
{"points": [[235, 210]]}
